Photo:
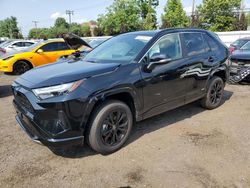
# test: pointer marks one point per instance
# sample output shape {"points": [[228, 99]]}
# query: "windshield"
{"points": [[6, 43], [239, 42], [246, 46], [120, 49]]}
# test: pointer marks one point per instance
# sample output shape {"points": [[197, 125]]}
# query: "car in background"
{"points": [[236, 45], [130, 77], [240, 62], [88, 45], [12, 46], [41, 53]]}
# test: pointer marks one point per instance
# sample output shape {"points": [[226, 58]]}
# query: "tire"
{"points": [[110, 127], [214, 93], [21, 67]]}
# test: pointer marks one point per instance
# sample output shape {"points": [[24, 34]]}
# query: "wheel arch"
{"points": [[30, 64], [125, 95]]}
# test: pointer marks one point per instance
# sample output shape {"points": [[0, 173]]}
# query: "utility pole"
{"points": [[241, 8], [35, 22], [69, 12], [193, 13]]}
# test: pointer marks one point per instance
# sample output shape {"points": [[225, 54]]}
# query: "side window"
{"points": [[17, 44], [195, 44], [50, 47], [168, 46], [62, 46], [212, 43], [28, 43]]}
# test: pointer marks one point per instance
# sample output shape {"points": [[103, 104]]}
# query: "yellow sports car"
{"points": [[40, 54]]}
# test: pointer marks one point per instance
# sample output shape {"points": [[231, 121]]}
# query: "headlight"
{"points": [[8, 57], [53, 91]]}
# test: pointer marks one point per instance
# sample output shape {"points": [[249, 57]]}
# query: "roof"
{"points": [[154, 32]]}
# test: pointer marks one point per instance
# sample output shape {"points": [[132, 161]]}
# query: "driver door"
{"points": [[164, 88]]}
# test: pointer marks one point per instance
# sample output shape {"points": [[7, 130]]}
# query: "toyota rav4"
{"points": [[129, 78]]}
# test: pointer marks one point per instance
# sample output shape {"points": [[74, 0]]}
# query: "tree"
{"points": [[61, 22], [174, 15], [8, 28], [148, 13], [241, 23], [85, 30], [122, 16], [218, 15]]}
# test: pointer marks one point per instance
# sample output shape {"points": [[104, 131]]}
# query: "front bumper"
{"points": [[57, 125], [6, 66]]}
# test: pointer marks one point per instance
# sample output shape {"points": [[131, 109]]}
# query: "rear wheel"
{"points": [[214, 93], [110, 127], [21, 67]]}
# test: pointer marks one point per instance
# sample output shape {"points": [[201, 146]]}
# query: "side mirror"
{"points": [[157, 59], [39, 51]]}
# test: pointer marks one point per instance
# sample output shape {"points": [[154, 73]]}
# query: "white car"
{"points": [[12, 46]]}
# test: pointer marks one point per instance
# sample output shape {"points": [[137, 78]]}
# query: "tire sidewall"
{"points": [[16, 64], [95, 140], [208, 103]]}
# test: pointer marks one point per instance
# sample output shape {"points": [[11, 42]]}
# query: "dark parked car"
{"points": [[128, 78], [236, 45], [240, 63]]}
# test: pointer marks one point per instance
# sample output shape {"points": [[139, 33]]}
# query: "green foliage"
{"points": [[148, 13], [174, 15], [217, 15], [85, 30], [8, 28], [248, 19], [122, 16], [61, 23]]}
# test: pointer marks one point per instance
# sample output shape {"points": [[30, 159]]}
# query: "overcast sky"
{"points": [[46, 11]]}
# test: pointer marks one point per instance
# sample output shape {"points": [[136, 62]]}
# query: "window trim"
{"points": [[180, 40]]}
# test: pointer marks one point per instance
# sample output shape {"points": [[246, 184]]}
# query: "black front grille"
{"points": [[24, 102]]}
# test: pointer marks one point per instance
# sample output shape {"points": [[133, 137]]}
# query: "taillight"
{"points": [[231, 49]]}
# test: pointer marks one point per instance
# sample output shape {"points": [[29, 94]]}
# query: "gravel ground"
{"points": [[186, 147]]}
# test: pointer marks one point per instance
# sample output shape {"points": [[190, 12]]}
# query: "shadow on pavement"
{"points": [[146, 126], [5, 91]]}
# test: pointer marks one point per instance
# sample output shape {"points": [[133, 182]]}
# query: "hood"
{"points": [[74, 41], [63, 72], [241, 55]]}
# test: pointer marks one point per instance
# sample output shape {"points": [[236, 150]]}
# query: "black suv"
{"points": [[128, 78]]}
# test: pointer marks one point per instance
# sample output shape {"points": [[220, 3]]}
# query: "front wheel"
{"points": [[214, 93], [21, 67], [110, 127]]}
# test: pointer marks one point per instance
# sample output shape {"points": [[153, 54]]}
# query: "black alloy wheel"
{"points": [[21, 67], [114, 127], [110, 126]]}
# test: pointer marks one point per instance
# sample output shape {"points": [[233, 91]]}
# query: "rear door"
{"points": [[199, 64]]}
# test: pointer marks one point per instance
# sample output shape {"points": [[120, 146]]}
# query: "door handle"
{"points": [[210, 59]]}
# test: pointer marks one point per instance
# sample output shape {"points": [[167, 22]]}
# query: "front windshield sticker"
{"points": [[143, 38]]}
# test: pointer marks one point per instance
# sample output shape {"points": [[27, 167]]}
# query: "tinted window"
{"points": [[17, 44], [169, 46], [195, 44], [246, 46], [212, 43], [62, 46], [27, 44]]}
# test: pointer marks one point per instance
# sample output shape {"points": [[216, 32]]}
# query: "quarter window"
{"points": [[212, 43], [168, 46], [195, 44]]}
